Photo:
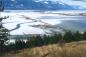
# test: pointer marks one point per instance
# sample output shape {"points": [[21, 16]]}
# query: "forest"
{"points": [[38, 40]]}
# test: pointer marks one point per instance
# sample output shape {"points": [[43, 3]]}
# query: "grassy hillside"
{"points": [[74, 49]]}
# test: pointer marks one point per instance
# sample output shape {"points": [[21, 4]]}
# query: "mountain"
{"points": [[48, 22], [38, 5]]}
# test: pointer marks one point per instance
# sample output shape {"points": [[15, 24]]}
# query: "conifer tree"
{"points": [[84, 36], [3, 31], [77, 36], [68, 36]]}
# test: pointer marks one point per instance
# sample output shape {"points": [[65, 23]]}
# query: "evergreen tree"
{"points": [[3, 35], [39, 41], [52, 39], [20, 44], [46, 39], [68, 36], [3, 31], [84, 36], [77, 36], [57, 37]]}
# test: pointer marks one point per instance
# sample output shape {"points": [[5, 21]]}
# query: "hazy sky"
{"points": [[71, 2], [82, 4]]}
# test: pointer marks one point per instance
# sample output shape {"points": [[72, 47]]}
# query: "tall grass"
{"points": [[54, 50]]}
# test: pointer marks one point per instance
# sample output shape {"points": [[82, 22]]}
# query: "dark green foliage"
{"points": [[57, 37], [3, 38], [46, 39], [3, 35], [3, 32], [19, 44], [77, 36], [35, 41], [38, 40], [84, 36], [68, 36]]}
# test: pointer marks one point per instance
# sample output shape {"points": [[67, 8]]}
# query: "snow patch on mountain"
{"points": [[33, 22]]}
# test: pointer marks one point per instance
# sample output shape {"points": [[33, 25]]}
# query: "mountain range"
{"points": [[38, 5]]}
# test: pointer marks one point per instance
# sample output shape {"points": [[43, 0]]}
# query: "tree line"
{"points": [[39, 40]]}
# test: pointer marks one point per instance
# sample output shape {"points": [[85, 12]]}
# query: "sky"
{"points": [[72, 2]]}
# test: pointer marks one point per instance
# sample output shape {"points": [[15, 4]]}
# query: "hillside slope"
{"points": [[74, 49]]}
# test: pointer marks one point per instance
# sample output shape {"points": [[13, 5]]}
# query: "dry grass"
{"points": [[75, 49]]}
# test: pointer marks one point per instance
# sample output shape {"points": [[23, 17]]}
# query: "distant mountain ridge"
{"points": [[38, 5]]}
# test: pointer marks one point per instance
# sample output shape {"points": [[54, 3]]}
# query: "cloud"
{"points": [[72, 2], [13, 0]]}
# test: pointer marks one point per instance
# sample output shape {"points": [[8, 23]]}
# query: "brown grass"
{"points": [[74, 49]]}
